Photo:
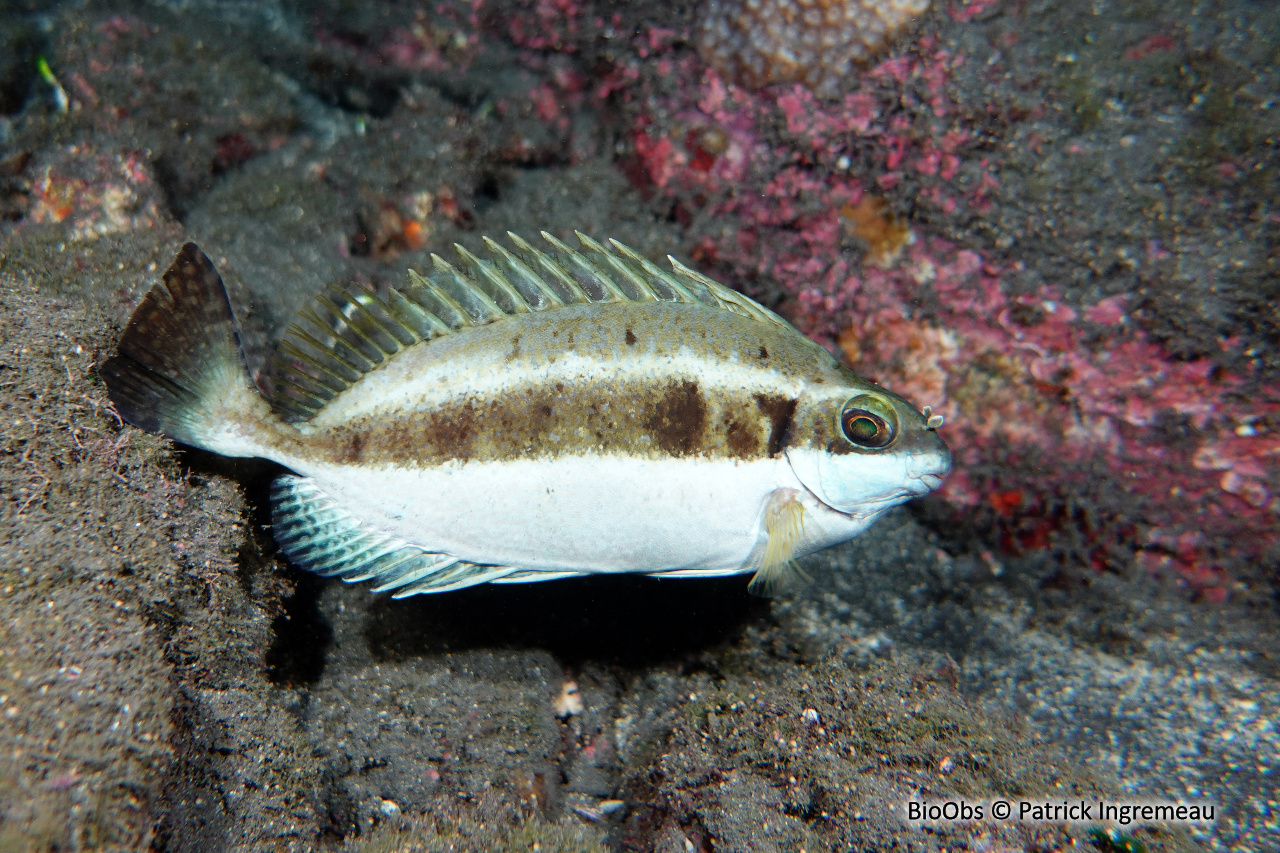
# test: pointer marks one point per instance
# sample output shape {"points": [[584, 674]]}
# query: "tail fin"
{"points": [[180, 370]]}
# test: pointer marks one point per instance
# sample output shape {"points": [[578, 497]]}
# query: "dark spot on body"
{"points": [[780, 411], [764, 352], [742, 442], [455, 432], [354, 451], [679, 419], [515, 348], [631, 338]]}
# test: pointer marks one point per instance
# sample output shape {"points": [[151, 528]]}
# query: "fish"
{"points": [[529, 415]]}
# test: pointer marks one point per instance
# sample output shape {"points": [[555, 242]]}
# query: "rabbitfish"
{"points": [[530, 415]]}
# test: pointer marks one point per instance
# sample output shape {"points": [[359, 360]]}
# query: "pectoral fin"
{"points": [[784, 526]]}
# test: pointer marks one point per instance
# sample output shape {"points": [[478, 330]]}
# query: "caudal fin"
{"points": [[180, 369]]}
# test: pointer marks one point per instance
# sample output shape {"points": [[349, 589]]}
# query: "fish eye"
{"points": [[868, 422]]}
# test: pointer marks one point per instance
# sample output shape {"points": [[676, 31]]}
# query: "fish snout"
{"points": [[925, 471]]}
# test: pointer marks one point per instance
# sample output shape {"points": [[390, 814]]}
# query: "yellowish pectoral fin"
{"points": [[784, 526]]}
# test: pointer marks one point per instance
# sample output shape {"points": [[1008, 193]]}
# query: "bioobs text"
{"points": [[948, 810]]}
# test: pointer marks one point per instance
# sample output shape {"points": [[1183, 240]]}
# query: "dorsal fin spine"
{"points": [[289, 347], [371, 327], [615, 293], [549, 264], [293, 383], [518, 266], [621, 267], [379, 353], [348, 355], [681, 270], [491, 310], [417, 319], [297, 331], [728, 298], [443, 298], [303, 404], [484, 270], [306, 383], [654, 270], [376, 308]]}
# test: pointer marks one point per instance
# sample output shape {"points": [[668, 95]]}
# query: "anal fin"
{"points": [[538, 575], [320, 536]]}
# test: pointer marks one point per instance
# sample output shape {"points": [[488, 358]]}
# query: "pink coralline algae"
{"points": [[815, 42], [98, 193], [1034, 389], [443, 41], [1047, 405]]}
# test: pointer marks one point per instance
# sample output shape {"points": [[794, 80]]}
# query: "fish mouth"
{"points": [[925, 471], [922, 484]]}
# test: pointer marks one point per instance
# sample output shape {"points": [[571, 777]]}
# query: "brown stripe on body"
{"points": [[659, 392], [679, 418]]}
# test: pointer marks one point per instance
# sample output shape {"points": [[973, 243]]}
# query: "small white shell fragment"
{"points": [[569, 702], [611, 806], [389, 808], [593, 810], [810, 716]]}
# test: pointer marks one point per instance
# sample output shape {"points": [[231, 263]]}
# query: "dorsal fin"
{"points": [[346, 332]]}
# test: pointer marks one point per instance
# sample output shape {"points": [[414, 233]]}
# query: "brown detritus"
{"points": [[713, 140], [127, 580], [884, 234], [820, 756]]}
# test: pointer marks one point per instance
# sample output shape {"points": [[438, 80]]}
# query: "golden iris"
{"points": [[868, 422]]}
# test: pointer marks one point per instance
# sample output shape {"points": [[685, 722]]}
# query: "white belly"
{"points": [[588, 514]]}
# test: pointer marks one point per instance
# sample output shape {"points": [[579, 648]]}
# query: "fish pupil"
{"points": [[866, 429]]}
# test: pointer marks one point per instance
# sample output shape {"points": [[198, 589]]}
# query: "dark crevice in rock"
{"points": [[301, 637]]}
